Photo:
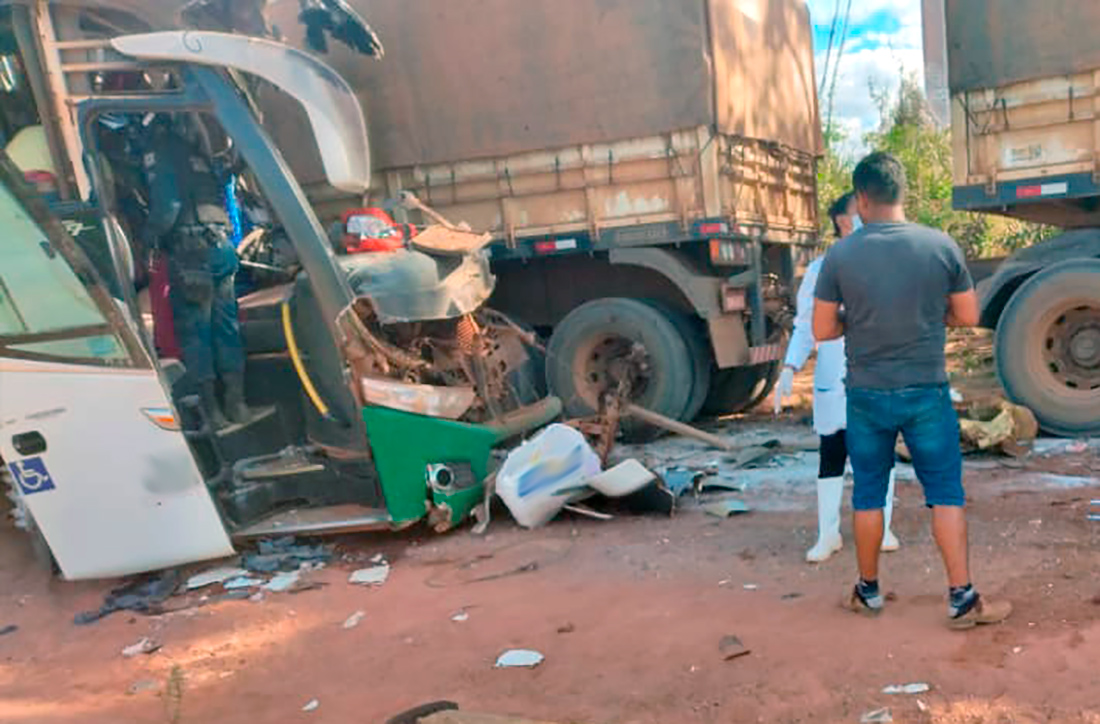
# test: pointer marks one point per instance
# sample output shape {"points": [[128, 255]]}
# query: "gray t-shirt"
{"points": [[893, 280]]}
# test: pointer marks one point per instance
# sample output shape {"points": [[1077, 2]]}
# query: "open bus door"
{"points": [[86, 428]]}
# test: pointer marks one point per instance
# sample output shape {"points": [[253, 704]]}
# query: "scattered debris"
{"points": [[220, 574], [750, 587], [284, 554], [237, 595], [546, 473], [625, 478], [461, 616], [257, 597], [9, 629], [1017, 649], [567, 628], [242, 582], [922, 706], [679, 479], [1011, 431], [145, 595], [373, 576], [282, 582], [790, 596], [355, 619], [519, 658], [726, 507], [141, 686], [145, 646], [731, 648], [311, 705], [956, 396], [916, 688], [588, 512], [878, 716], [524, 557]]}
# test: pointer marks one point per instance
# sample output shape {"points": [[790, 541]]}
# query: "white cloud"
{"points": [[877, 53]]}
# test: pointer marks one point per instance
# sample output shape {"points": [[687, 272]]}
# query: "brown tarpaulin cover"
{"points": [[466, 79], [996, 42]]}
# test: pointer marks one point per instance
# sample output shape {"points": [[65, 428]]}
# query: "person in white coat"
{"points": [[829, 402]]}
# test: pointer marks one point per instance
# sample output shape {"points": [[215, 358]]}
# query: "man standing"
{"points": [[829, 403], [189, 223], [900, 286]]}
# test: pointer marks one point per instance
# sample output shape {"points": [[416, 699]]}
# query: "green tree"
{"points": [[906, 130]]}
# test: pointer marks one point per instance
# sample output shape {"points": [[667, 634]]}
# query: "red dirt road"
{"points": [[628, 613]]}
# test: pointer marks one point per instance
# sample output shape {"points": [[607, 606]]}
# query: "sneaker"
{"points": [[871, 606], [982, 613]]}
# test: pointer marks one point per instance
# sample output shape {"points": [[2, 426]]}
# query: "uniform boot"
{"points": [[889, 540], [830, 493], [209, 398], [235, 408]]}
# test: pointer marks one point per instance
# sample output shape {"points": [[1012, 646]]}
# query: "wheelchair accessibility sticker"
{"points": [[31, 475]]}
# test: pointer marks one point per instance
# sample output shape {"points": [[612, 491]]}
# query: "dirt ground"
{"points": [[628, 613]]}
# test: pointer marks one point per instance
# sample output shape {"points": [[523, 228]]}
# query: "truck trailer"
{"points": [[1025, 125]]}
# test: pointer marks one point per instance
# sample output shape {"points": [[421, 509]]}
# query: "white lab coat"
{"points": [[830, 414]]}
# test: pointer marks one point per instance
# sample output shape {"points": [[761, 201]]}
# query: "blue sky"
{"points": [[884, 40]]}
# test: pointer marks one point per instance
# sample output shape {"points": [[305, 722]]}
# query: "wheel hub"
{"points": [[611, 361], [1072, 348]]}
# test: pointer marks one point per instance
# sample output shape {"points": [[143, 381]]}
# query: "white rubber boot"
{"points": [[830, 493], [890, 542]]}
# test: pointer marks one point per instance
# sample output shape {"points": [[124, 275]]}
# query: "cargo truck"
{"points": [[647, 169], [1025, 125]]}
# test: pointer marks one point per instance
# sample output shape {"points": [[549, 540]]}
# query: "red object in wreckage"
{"points": [[164, 328], [372, 229]]}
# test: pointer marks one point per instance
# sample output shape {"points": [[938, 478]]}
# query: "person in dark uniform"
{"points": [[189, 224]]}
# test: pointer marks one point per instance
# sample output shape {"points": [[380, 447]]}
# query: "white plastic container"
{"points": [[546, 473]]}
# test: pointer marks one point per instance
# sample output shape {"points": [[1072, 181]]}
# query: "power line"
{"points": [[829, 50], [836, 66]]}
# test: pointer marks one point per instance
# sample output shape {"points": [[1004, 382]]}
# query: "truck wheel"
{"points": [[602, 341], [1047, 347], [741, 388]]}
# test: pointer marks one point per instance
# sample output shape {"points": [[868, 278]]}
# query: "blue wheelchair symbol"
{"points": [[31, 475]]}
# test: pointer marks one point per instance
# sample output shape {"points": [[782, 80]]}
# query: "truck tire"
{"points": [[741, 388], [588, 353], [1047, 347]]}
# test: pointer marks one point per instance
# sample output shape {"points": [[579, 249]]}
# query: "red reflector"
{"points": [[712, 227], [545, 247], [1026, 192]]}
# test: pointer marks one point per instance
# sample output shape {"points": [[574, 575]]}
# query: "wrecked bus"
{"points": [[381, 382]]}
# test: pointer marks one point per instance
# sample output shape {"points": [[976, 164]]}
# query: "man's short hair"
{"points": [[881, 177], [840, 208]]}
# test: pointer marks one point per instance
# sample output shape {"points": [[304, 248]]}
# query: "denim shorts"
{"points": [[927, 422]]}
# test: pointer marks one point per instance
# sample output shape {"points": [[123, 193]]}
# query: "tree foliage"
{"points": [[907, 131]]}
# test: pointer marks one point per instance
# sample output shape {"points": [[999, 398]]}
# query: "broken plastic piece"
{"points": [[519, 658], [355, 619], [461, 617], [731, 648], [144, 646], [679, 480], [214, 575], [373, 576], [726, 508], [625, 478], [916, 688], [242, 582], [449, 403], [282, 582], [311, 705], [878, 716]]}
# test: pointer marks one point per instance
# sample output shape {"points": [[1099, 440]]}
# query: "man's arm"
{"points": [[962, 310], [827, 322]]}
